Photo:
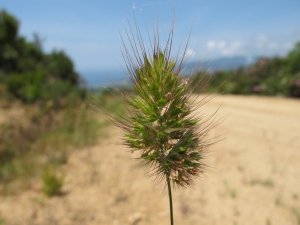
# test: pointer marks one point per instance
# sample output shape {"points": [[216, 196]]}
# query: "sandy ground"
{"points": [[254, 177]]}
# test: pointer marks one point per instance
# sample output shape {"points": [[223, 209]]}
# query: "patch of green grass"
{"points": [[266, 183], [52, 183]]}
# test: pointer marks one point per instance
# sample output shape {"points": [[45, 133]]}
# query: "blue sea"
{"points": [[99, 79]]}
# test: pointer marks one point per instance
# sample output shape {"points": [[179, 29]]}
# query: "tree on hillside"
{"points": [[27, 71], [19, 55], [60, 66], [8, 34], [293, 60]]}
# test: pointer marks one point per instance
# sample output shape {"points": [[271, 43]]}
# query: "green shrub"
{"points": [[52, 183], [33, 87], [27, 86]]}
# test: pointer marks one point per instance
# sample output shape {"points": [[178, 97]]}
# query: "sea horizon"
{"points": [[103, 78]]}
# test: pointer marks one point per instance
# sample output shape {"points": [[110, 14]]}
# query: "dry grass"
{"points": [[34, 139]]}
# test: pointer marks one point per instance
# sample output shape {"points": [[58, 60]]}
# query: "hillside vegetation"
{"points": [[43, 112], [268, 76]]}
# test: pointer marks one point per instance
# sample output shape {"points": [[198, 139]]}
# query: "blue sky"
{"points": [[88, 31]]}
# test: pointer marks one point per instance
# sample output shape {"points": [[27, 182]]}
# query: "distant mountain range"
{"points": [[222, 63], [98, 78]]}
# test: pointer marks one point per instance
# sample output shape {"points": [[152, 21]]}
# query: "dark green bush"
{"points": [[60, 66], [52, 183], [27, 86]]}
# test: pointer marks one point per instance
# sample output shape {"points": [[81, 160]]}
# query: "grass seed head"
{"points": [[162, 126]]}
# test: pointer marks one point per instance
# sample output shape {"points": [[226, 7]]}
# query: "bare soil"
{"points": [[254, 177]]}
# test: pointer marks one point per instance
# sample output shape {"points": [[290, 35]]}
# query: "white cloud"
{"points": [[262, 38], [261, 45], [226, 48], [268, 46], [222, 44], [211, 44], [233, 48], [263, 42], [272, 45], [189, 52]]}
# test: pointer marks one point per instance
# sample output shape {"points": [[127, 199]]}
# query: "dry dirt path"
{"points": [[254, 177]]}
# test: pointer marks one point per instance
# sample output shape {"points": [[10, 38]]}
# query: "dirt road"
{"points": [[254, 177]]}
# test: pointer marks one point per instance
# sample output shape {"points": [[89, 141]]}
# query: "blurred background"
{"points": [[227, 34], [57, 56]]}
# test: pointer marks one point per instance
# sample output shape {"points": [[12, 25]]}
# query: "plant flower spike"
{"points": [[162, 127]]}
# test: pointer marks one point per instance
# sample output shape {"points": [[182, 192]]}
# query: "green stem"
{"points": [[170, 200]]}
